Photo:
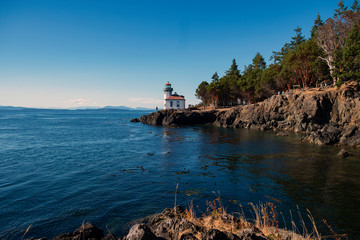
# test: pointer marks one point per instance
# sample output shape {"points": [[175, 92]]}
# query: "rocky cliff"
{"points": [[321, 115]]}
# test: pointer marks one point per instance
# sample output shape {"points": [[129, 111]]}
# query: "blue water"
{"points": [[59, 168]]}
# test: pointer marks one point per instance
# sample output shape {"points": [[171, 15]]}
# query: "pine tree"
{"points": [[347, 60], [214, 89], [233, 71], [251, 80], [355, 7], [230, 84], [341, 10], [277, 57], [297, 39], [215, 77], [317, 23], [259, 62]]}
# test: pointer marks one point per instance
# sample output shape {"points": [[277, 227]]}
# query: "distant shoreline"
{"points": [[78, 108]]}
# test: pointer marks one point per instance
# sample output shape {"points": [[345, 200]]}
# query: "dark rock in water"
{"points": [[86, 231], [343, 153], [135, 120], [177, 118]]}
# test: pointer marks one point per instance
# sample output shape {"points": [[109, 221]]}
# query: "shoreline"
{"points": [[327, 116], [178, 223]]}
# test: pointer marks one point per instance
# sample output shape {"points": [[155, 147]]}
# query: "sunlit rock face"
{"points": [[322, 116]]}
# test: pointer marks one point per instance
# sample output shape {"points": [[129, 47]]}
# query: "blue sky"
{"points": [[63, 53]]}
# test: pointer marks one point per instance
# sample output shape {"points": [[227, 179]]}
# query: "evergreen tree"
{"points": [[268, 85], [317, 23], [215, 77], [259, 62], [341, 10], [347, 60], [277, 57], [233, 71], [251, 80], [214, 90], [229, 83], [355, 7], [297, 39]]}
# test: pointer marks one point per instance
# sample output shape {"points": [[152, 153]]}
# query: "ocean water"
{"points": [[59, 168]]}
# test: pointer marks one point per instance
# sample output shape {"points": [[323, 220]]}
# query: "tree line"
{"points": [[330, 55]]}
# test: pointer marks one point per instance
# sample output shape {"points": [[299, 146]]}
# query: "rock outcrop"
{"points": [[171, 224], [179, 224], [322, 116], [177, 118]]}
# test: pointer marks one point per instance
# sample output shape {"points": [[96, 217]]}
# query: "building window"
{"points": [[178, 103], [171, 103]]}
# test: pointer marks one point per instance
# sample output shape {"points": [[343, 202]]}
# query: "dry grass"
{"points": [[215, 217], [27, 230], [265, 218]]}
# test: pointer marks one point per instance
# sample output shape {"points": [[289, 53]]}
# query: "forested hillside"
{"points": [[330, 56]]}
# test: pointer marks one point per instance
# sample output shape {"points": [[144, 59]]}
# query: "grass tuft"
{"points": [[265, 219]]}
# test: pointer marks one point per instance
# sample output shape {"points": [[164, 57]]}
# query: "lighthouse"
{"points": [[172, 101], [167, 92]]}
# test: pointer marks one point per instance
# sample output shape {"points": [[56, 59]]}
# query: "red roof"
{"points": [[167, 83], [175, 98]]}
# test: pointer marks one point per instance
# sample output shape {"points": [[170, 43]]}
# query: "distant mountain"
{"points": [[84, 108], [126, 108], [118, 107], [11, 108], [81, 108]]}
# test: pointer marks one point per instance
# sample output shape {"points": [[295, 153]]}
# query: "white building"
{"points": [[172, 101]]}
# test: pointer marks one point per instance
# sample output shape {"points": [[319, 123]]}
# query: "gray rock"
{"points": [[135, 120], [140, 232]]}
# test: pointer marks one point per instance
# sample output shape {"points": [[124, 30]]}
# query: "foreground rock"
{"points": [[174, 224], [323, 116]]}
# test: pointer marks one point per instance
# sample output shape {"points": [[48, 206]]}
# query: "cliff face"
{"points": [[324, 116]]}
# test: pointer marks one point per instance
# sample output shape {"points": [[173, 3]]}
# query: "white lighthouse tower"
{"points": [[172, 101], [167, 92]]}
